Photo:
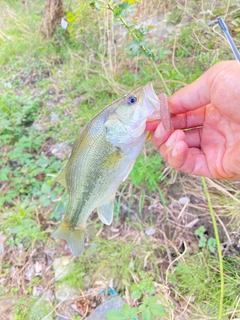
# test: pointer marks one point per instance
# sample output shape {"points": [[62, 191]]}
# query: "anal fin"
{"points": [[105, 211]]}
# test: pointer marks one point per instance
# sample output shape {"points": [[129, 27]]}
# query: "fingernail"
{"points": [[174, 151], [171, 140], [158, 132]]}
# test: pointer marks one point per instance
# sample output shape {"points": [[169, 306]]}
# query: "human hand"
{"points": [[205, 138]]}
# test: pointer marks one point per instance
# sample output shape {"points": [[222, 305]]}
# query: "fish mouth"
{"points": [[152, 103], [149, 91]]}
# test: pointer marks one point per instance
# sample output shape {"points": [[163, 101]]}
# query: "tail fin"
{"points": [[74, 238]]}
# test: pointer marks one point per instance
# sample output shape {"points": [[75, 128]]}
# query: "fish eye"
{"points": [[132, 100]]}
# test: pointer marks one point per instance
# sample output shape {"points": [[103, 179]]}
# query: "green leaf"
{"points": [[167, 51], [129, 311], [202, 242], [4, 173], [114, 315], [133, 287], [150, 301], [134, 47], [212, 243], [46, 189], [136, 294], [158, 310], [133, 313], [146, 315], [200, 231], [125, 309], [44, 200], [142, 307], [97, 5]]}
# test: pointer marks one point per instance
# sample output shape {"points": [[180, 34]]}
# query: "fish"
{"points": [[102, 157]]}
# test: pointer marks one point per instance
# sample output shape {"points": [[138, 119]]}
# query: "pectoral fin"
{"points": [[74, 237], [62, 178], [105, 211]]}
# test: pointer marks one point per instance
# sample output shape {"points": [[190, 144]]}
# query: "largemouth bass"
{"points": [[102, 157]]}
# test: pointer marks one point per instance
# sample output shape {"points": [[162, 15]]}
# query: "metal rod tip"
{"points": [[213, 22]]}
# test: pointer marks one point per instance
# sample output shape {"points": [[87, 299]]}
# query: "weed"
{"points": [[115, 260], [145, 286], [148, 171], [21, 226], [23, 167], [197, 276], [148, 306], [76, 317], [211, 242], [117, 206]]}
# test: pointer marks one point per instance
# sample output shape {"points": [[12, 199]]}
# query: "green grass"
{"points": [[21, 226], [198, 277], [111, 259]]}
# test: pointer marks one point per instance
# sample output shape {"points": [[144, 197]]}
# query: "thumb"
{"points": [[198, 93]]}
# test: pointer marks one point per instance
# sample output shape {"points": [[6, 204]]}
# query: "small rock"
{"points": [[133, 218], [150, 232], [7, 85], [66, 314], [38, 126], [20, 246], [66, 293], [48, 295], [7, 307], [38, 268], [42, 309], [175, 205], [184, 200], [12, 272], [112, 303], [62, 267], [37, 291], [51, 91], [61, 150], [86, 282], [29, 273], [54, 117], [64, 24], [3, 239]]}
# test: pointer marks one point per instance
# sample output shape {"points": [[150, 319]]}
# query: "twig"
{"points": [[175, 260], [55, 308], [144, 49], [235, 309]]}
